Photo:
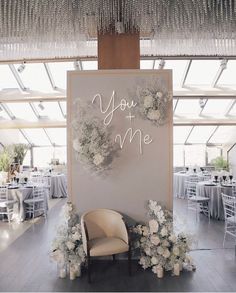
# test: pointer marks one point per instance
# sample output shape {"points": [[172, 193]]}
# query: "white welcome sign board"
{"points": [[142, 169]]}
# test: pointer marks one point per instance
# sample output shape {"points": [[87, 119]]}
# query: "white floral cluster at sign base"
{"points": [[160, 248], [153, 102], [67, 249]]}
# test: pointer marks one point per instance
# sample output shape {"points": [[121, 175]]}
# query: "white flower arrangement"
{"points": [[92, 140], [153, 101], [67, 248], [159, 246]]}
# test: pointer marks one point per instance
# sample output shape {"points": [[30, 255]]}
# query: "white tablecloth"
{"points": [[179, 180], [58, 186], [20, 194], [214, 193]]}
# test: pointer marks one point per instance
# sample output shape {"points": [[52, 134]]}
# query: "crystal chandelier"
{"points": [[68, 28]]}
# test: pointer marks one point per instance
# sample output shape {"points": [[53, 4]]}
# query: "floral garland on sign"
{"points": [[92, 141], [67, 248], [161, 249], [153, 102]]}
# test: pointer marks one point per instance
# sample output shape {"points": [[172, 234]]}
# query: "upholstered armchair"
{"points": [[104, 233]]}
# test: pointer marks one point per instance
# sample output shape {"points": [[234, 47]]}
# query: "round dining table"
{"points": [[58, 186], [213, 191], [179, 186]]}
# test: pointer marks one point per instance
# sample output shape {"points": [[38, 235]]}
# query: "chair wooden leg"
{"points": [[89, 269], [129, 262], [113, 257]]}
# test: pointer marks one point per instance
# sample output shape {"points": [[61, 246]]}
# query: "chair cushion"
{"points": [[107, 246], [5, 203], [199, 199]]}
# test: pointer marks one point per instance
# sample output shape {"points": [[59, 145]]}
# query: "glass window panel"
{"points": [[178, 156], [90, 65], [195, 155], [212, 153], [51, 111], [37, 136], [216, 107], [202, 72], [22, 111], [224, 134], [3, 114], [200, 134], [44, 155], [146, 64], [34, 77], [63, 107], [57, 135], [187, 107], [228, 76], [7, 80], [181, 133], [59, 72], [178, 67], [232, 111], [10, 136]]}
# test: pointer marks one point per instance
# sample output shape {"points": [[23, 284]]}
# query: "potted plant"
{"points": [[6, 158], [220, 163], [20, 151]]}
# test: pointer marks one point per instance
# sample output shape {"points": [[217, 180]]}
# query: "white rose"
{"points": [[148, 102], [76, 145], [159, 95], [166, 253], [176, 250], [76, 236], [155, 240], [164, 232], [154, 260], [70, 245], [165, 243], [98, 159], [160, 250], [153, 114], [153, 226], [147, 251], [173, 238]]}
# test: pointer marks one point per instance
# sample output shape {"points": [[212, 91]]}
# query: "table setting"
{"points": [[213, 190]]}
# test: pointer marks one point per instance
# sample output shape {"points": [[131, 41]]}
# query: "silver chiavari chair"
{"points": [[6, 204], [229, 203], [36, 205]]}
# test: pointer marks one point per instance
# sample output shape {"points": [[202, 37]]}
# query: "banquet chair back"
{"points": [[104, 233], [6, 204], [229, 203], [206, 177], [234, 190], [191, 189], [193, 178], [3, 193], [37, 204]]}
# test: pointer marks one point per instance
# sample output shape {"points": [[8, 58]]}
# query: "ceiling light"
{"points": [[41, 106], [119, 27], [161, 64], [76, 65], [21, 68]]}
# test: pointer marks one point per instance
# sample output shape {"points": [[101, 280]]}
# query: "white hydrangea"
{"points": [[70, 245], [153, 115], [155, 240], [160, 250], [98, 159], [166, 253], [153, 226], [148, 101], [176, 250], [154, 260], [159, 95], [164, 232]]}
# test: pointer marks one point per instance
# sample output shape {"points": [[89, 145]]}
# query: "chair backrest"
{"points": [[193, 178], [191, 188], [229, 203], [234, 190], [206, 177], [38, 191], [103, 223], [3, 193]]}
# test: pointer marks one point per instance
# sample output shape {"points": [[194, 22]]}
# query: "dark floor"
{"points": [[25, 264]]}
